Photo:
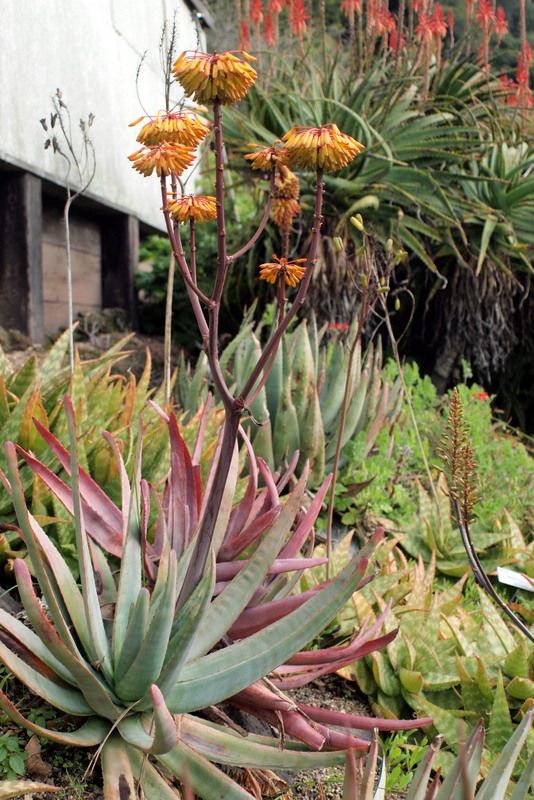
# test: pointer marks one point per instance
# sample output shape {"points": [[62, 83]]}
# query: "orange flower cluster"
{"points": [[285, 205], [199, 208], [324, 148], [182, 127], [268, 158], [214, 76], [281, 269], [165, 159]]}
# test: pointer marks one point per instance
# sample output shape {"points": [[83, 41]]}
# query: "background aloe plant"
{"points": [[299, 407]]}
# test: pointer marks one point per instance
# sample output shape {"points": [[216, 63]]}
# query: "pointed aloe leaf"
{"points": [[135, 633], [89, 734], [217, 743], [214, 677], [33, 644], [38, 552], [498, 778], [206, 780], [500, 725], [54, 358], [419, 784], [95, 692], [191, 618], [147, 664], [131, 565], [98, 639], [525, 782], [119, 781], [464, 765], [61, 696], [227, 607], [165, 731]]}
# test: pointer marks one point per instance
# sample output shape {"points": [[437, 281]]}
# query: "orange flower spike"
{"points": [[325, 147], [164, 159], [215, 76], [281, 269], [183, 127], [199, 208]]}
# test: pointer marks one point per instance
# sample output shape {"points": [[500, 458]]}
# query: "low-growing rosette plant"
{"points": [[141, 661]]}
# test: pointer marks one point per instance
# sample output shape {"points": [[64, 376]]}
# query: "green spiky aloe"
{"points": [[463, 779], [299, 407], [134, 666]]}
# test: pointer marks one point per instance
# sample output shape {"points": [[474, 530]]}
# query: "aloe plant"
{"points": [[299, 407], [464, 780], [450, 660], [131, 650]]}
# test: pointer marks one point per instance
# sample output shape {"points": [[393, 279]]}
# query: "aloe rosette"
{"points": [[132, 652]]}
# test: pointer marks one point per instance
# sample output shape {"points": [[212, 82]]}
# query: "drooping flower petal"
{"points": [[165, 159], [200, 208]]}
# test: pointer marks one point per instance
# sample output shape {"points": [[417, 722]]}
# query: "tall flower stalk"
{"points": [[218, 80]]}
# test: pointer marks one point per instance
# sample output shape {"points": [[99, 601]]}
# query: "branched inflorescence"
{"points": [[169, 140]]}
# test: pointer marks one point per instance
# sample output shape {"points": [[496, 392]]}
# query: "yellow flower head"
{"points": [[283, 211], [181, 127], [286, 185], [268, 158], [210, 76], [193, 207], [165, 159], [320, 148], [282, 268]]}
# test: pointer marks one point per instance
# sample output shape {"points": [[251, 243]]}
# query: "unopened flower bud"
{"points": [[397, 304], [357, 221], [389, 246], [337, 243]]}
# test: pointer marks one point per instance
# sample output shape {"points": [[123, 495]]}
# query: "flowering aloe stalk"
{"points": [[219, 79]]}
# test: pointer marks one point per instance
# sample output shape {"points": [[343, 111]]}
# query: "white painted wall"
{"points": [[91, 49]]}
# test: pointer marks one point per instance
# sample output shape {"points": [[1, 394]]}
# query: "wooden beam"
{"points": [[120, 257], [21, 278]]}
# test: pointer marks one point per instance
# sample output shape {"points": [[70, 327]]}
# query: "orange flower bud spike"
{"points": [[226, 77]]}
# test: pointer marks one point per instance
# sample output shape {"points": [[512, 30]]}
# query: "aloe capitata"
{"points": [[131, 653]]}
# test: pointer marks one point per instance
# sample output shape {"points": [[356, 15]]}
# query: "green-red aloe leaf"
{"points": [[153, 784], [60, 695], [165, 731], [525, 782], [498, 778], [97, 640], [419, 783], [95, 692], [221, 674], [206, 780], [119, 780], [91, 733], [465, 768]]}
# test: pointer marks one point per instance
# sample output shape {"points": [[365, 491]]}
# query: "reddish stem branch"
{"points": [[178, 249], [261, 226]]}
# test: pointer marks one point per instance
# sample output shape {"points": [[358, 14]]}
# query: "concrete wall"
{"points": [[91, 50]]}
